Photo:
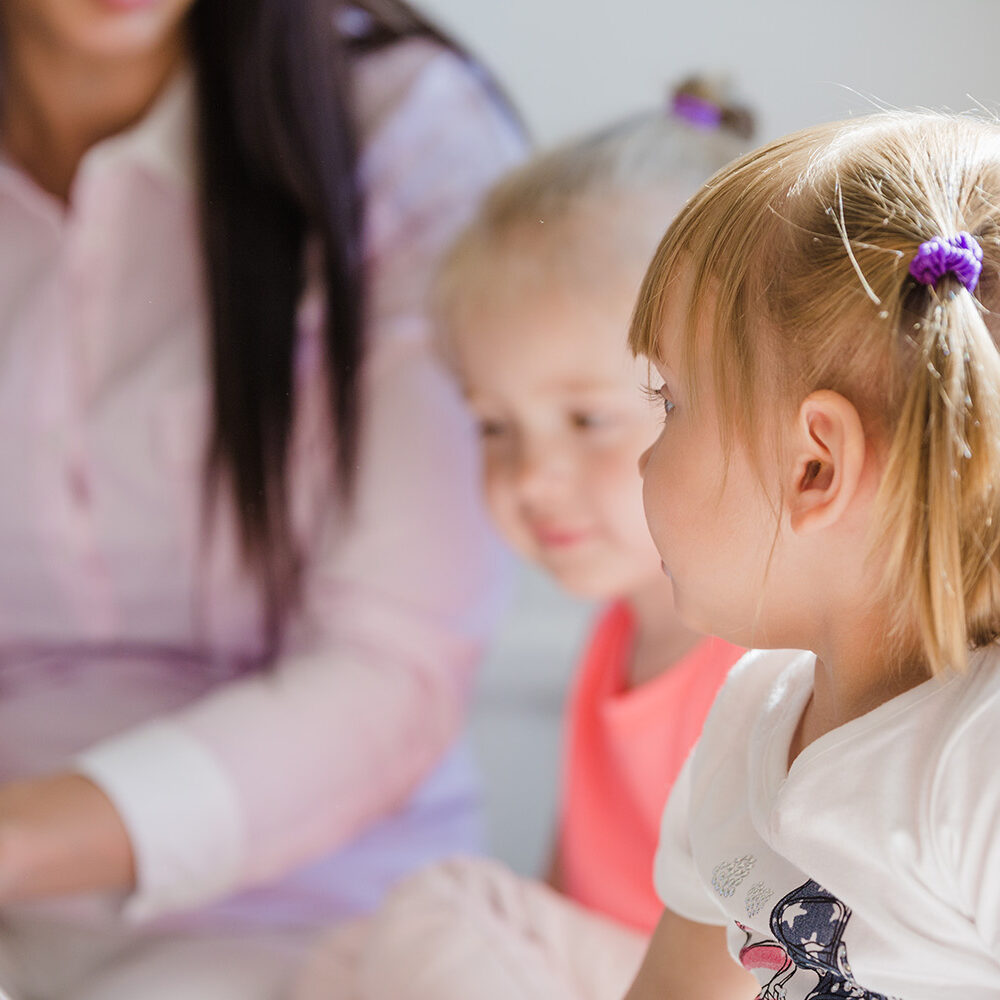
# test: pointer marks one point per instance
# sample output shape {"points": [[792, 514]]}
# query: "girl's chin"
{"points": [[127, 5], [594, 583]]}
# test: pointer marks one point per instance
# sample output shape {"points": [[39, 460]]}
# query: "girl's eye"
{"points": [[586, 421], [491, 428], [668, 403], [659, 395]]}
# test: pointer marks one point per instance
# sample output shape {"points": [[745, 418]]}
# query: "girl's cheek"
{"points": [[498, 492]]}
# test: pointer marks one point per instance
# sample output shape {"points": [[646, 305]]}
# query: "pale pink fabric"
{"points": [[87, 962], [471, 928], [129, 645], [625, 746]]}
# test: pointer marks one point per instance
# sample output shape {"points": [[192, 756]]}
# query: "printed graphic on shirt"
{"points": [[806, 959]]}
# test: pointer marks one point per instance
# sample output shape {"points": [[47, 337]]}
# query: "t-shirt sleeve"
{"points": [[675, 874]]}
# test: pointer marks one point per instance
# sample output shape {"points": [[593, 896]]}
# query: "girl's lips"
{"points": [[560, 538]]}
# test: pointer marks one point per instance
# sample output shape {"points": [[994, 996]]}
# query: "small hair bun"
{"points": [[705, 103]]}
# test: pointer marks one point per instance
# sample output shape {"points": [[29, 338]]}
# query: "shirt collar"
{"points": [[162, 141]]}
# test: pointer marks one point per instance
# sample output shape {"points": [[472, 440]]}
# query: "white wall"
{"points": [[571, 64]]}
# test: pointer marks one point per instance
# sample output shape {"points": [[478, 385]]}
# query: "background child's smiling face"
{"points": [[563, 420]]}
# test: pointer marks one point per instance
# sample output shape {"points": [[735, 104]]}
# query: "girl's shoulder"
{"points": [[967, 720], [960, 807], [967, 744]]}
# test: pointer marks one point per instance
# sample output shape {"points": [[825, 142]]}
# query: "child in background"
{"points": [[534, 302], [828, 479]]}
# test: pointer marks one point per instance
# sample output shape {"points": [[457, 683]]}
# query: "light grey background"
{"points": [[517, 717], [571, 65]]}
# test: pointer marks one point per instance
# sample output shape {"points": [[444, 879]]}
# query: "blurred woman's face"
{"points": [[95, 29]]}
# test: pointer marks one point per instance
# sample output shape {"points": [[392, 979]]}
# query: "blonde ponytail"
{"points": [[940, 487]]}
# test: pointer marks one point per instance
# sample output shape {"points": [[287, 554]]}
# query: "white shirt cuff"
{"points": [[182, 814]]}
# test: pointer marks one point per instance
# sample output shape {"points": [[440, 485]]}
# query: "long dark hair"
{"points": [[278, 158]]}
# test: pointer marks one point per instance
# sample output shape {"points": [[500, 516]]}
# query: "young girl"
{"points": [[827, 479], [534, 301]]}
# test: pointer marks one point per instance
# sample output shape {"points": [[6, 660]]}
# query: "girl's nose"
{"points": [[540, 466], [644, 460]]}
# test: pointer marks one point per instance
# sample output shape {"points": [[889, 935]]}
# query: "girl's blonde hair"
{"points": [[801, 252], [591, 205]]}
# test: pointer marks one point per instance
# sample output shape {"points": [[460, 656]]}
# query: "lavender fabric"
{"points": [[697, 111], [960, 255]]}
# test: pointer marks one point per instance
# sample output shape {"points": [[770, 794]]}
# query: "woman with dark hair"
{"points": [[245, 574]]}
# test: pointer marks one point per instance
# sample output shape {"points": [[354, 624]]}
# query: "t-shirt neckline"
{"points": [[774, 728]]}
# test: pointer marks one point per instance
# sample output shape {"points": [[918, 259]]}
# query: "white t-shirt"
{"points": [[869, 869]]}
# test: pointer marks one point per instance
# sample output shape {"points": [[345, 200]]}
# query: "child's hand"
{"points": [[60, 835], [689, 961]]}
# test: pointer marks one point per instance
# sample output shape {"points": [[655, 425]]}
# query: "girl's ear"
{"points": [[829, 451]]}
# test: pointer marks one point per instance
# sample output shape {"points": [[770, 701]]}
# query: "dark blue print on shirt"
{"points": [[807, 958]]}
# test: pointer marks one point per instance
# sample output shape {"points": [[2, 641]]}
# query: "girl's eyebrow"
{"points": [[471, 397], [584, 385]]}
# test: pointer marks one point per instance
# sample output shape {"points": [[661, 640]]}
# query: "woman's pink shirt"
{"points": [[130, 645]]}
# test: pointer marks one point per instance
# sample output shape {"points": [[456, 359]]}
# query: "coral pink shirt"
{"points": [[624, 750], [130, 649]]}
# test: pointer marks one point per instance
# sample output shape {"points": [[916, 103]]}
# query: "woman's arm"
{"points": [[689, 961]]}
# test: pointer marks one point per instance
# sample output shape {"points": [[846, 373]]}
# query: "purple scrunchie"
{"points": [[697, 111], [960, 255]]}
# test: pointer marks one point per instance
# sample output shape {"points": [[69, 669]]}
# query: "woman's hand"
{"points": [[60, 835]]}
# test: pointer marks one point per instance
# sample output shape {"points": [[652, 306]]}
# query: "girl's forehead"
{"points": [[663, 311], [543, 374], [563, 325], [669, 343], [543, 369]]}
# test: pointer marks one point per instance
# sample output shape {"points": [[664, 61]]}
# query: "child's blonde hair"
{"points": [[596, 203], [802, 250]]}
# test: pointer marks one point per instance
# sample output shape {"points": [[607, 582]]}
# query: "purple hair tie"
{"points": [[959, 255], [697, 111]]}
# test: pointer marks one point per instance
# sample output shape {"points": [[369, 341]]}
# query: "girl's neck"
{"points": [[855, 673], [57, 104], [661, 639]]}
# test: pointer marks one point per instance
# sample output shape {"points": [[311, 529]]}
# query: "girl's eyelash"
{"points": [[655, 395]]}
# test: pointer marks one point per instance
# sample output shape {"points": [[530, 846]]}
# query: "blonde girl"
{"points": [[534, 302], [822, 320]]}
